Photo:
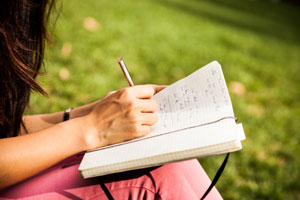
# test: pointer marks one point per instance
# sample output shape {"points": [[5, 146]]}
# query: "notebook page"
{"points": [[199, 98], [241, 133]]}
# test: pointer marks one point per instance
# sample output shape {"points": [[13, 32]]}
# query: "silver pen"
{"points": [[125, 71]]}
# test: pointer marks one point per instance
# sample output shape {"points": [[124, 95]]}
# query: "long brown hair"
{"points": [[22, 39]]}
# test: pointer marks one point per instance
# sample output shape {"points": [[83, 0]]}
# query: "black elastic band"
{"points": [[104, 188], [217, 176]]}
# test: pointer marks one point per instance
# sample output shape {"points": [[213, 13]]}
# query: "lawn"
{"points": [[256, 42]]}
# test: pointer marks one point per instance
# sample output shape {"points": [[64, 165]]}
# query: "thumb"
{"points": [[158, 88]]}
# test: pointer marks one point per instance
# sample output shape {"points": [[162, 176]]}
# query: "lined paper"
{"points": [[199, 98]]}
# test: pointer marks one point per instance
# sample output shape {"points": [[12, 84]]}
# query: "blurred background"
{"points": [[257, 42]]}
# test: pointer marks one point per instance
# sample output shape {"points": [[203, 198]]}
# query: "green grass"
{"points": [[256, 42]]}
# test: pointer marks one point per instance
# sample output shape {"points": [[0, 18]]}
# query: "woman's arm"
{"points": [[34, 123], [24, 156], [123, 115]]}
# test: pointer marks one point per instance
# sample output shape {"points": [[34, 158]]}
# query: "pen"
{"points": [[125, 71]]}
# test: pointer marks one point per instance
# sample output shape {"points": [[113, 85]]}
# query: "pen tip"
{"points": [[120, 59]]}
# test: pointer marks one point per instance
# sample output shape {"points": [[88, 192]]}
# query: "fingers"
{"points": [[148, 105], [158, 88], [148, 119], [142, 123], [143, 91], [145, 130]]}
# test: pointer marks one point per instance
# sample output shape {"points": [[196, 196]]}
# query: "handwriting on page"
{"points": [[196, 99]]}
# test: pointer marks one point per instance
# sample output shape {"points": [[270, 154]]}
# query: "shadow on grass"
{"points": [[273, 20]]}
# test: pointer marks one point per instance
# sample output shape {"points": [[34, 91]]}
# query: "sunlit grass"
{"points": [[256, 42]]}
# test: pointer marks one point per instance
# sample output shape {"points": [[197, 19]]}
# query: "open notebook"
{"points": [[196, 119]]}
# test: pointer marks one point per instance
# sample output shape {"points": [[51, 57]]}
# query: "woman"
{"points": [[37, 152]]}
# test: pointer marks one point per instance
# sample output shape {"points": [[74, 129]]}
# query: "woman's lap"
{"points": [[181, 180]]}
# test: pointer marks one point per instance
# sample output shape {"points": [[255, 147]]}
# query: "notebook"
{"points": [[196, 120]]}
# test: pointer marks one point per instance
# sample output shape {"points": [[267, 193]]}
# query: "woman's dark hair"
{"points": [[22, 38]]}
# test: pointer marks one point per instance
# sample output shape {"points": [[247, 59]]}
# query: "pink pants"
{"points": [[181, 180]]}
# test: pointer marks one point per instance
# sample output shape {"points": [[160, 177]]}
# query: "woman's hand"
{"points": [[122, 115]]}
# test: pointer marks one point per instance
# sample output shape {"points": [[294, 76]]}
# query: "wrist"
{"points": [[70, 134], [82, 110], [91, 136], [75, 133]]}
